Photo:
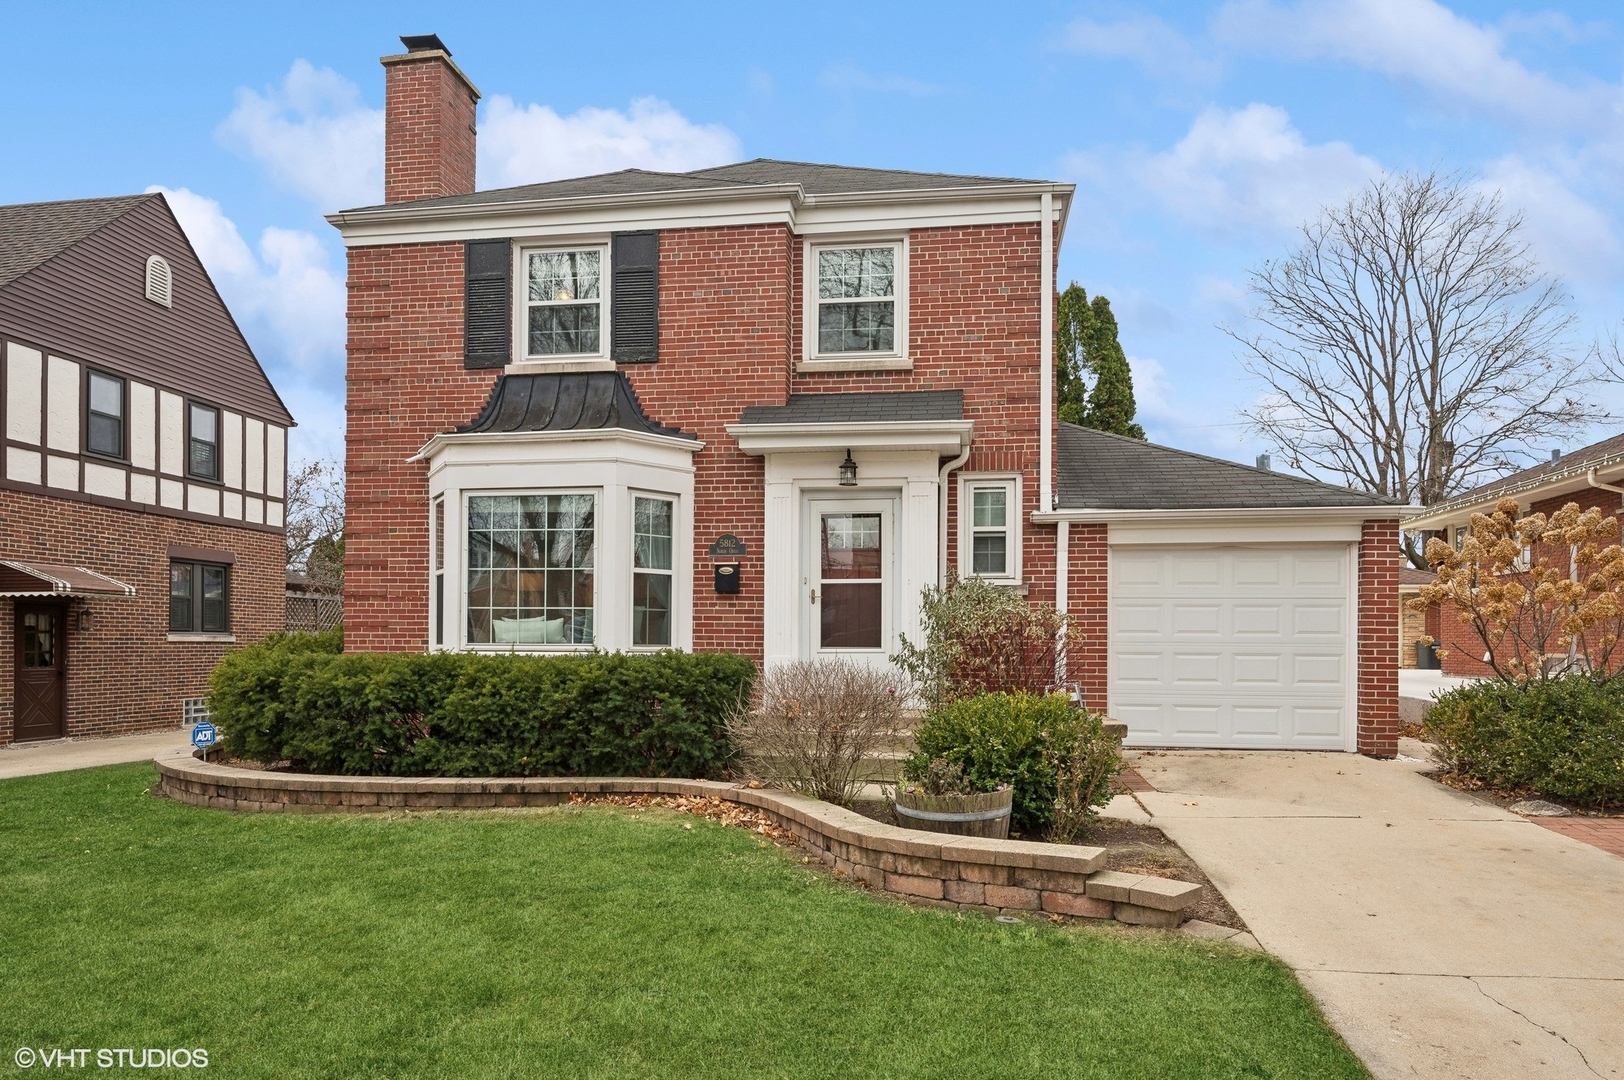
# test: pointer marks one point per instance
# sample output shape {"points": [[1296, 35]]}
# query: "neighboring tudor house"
{"points": [[1591, 477], [140, 501], [760, 407]]}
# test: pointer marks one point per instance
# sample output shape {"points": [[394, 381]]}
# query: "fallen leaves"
{"points": [[712, 808]]}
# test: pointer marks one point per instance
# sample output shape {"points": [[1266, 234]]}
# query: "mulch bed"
{"points": [[1130, 848]]}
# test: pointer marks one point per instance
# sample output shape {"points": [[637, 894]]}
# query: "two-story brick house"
{"points": [[141, 496], [760, 407]]}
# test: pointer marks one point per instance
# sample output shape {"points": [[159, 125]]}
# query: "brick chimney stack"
{"points": [[428, 123]]}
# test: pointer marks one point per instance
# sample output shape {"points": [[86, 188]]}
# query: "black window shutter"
{"points": [[634, 304], [487, 326]]}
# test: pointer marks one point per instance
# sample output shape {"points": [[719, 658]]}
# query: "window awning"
{"points": [[55, 579]]}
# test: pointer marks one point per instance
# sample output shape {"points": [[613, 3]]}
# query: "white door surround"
{"points": [[1245, 645]]}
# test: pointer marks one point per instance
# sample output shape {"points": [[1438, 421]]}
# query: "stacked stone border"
{"points": [[964, 873]]}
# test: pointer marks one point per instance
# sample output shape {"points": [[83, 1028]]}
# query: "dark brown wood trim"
{"points": [[199, 554], [139, 508]]}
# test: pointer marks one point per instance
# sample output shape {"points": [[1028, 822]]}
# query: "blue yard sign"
{"points": [[204, 734]]}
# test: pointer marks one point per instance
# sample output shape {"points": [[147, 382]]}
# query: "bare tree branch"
{"points": [[1411, 347], [315, 523]]}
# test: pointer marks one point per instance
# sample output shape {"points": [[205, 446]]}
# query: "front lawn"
{"points": [[574, 942]]}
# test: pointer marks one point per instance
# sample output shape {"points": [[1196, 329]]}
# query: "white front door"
{"points": [[849, 578], [1233, 646]]}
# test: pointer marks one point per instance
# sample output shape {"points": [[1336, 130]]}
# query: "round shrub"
{"points": [[1559, 737], [1018, 739]]}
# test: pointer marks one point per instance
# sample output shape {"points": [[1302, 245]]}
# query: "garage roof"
{"points": [[1099, 471]]}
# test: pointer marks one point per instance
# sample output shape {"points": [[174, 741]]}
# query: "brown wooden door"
{"points": [[41, 687]]}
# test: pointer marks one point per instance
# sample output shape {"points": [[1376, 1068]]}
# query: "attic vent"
{"points": [[160, 282]]}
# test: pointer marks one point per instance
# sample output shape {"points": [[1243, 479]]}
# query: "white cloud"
{"points": [[531, 143], [1145, 39], [847, 79], [1416, 41], [1568, 234], [314, 135], [287, 286], [1234, 169]]}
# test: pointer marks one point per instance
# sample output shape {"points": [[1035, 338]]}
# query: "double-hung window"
{"points": [[990, 534], [651, 570], [531, 563], [563, 303], [856, 300], [203, 442], [199, 598], [104, 428]]}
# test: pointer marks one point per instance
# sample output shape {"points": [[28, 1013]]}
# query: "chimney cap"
{"points": [[424, 43]]}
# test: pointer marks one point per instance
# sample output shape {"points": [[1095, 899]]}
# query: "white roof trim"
{"points": [[945, 437], [512, 438], [1576, 478], [1297, 515]]}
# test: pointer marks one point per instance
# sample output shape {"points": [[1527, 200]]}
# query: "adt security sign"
{"points": [[204, 734]]}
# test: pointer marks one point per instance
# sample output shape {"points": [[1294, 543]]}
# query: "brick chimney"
{"points": [[428, 141]]}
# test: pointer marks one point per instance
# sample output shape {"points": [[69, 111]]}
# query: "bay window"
{"points": [[531, 569], [651, 571]]}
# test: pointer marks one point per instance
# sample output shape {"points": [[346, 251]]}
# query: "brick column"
{"points": [[1086, 590], [1379, 558]]}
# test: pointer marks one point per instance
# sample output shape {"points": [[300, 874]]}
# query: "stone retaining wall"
{"points": [[959, 872]]}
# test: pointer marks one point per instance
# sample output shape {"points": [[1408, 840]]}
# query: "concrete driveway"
{"points": [[1443, 937]]}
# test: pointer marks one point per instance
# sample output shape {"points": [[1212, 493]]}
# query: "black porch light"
{"points": [[848, 471]]}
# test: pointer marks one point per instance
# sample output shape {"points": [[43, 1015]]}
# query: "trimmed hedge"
{"points": [[296, 698], [1560, 737], [1015, 739]]}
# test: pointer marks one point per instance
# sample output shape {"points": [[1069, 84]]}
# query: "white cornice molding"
{"points": [[944, 437], [516, 439], [1222, 515], [785, 204]]}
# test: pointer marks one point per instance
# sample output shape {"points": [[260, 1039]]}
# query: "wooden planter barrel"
{"points": [[984, 814]]}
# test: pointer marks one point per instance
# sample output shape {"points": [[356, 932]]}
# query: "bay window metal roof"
{"points": [[565, 401]]}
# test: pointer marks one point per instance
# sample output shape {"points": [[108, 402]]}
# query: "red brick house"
{"points": [[759, 407], [1592, 477], [141, 494]]}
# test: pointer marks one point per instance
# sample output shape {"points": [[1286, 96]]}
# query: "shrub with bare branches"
{"points": [[982, 638], [1544, 593], [817, 723]]}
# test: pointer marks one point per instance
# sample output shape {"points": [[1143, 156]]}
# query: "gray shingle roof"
{"points": [[574, 401], [894, 408], [1098, 471], [814, 179], [32, 234], [1575, 465]]}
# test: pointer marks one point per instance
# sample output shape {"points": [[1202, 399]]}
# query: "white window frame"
{"points": [[1011, 484], [599, 503], [677, 599], [522, 302], [898, 358]]}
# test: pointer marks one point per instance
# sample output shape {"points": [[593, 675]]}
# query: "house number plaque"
{"points": [[725, 555]]}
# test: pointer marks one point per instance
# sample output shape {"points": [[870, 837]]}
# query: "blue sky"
{"points": [[1200, 135]]}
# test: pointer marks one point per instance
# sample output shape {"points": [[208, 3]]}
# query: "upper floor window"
{"points": [[564, 303], [104, 429], [856, 299], [203, 442]]}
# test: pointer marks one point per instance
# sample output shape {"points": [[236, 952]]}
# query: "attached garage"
{"points": [[1223, 606], [1233, 646]]}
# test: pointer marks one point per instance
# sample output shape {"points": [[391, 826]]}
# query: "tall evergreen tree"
{"points": [[1093, 383]]}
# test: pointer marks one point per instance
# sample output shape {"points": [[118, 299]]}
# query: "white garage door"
{"points": [[1232, 647]]}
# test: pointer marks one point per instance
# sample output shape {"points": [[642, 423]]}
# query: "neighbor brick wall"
{"points": [[123, 675], [1379, 561], [428, 128]]}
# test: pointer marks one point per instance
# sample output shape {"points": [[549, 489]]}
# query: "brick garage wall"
{"points": [[1379, 560], [123, 675], [1088, 593]]}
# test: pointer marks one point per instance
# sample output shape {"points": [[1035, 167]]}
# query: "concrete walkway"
{"points": [[1442, 936], [60, 755]]}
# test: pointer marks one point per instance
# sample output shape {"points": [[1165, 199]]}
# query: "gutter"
{"points": [[1462, 507], [1338, 514], [1590, 478]]}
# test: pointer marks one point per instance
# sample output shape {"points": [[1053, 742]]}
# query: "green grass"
{"points": [[570, 942]]}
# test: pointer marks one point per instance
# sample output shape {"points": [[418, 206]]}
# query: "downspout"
{"points": [[1590, 478], [941, 511], [1062, 586], [1046, 355]]}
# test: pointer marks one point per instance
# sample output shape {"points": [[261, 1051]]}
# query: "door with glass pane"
{"points": [[850, 559], [40, 685]]}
